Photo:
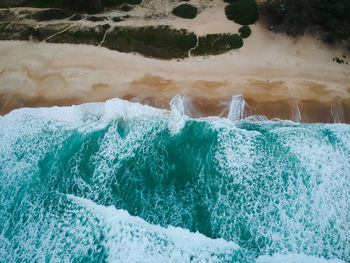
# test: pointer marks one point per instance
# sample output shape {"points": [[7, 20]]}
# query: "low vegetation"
{"points": [[159, 42], [244, 31], [214, 44], [341, 60], [243, 12], [80, 6], [330, 19], [235, 41], [95, 18], [51, 14], [185, 11]]}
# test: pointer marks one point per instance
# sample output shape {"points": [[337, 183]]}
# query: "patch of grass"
{"points": [[126, 8], [235, 41], [76, 17], [134, 2], [87, 35], [44, 3], [340, 60], [46, 31], [213, 44], [6, 15], [51, 14], [185, 11], [117, 19], [13, 31], [31, 33], [95, 18], [244, 31], [109, 3], [82, 6], [243, 12], [158, 42], [330, 19]]}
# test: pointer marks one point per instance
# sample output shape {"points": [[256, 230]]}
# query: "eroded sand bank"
{"points": [[276, 76]]}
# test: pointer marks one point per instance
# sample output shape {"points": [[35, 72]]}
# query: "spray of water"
{"points": [[177, 105], [295, 110], [337, 112], [236, 108]]}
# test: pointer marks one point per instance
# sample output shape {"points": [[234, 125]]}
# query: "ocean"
{"points": [[123, 182]]}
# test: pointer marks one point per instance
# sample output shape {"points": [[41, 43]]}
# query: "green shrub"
{"points": [[244, 31], [30, 33], [51, 14], [95, 18], [117, 19], [330, 18], [44, 3], [214, 44], [243, 12], [185, 11], [235, 41], [76, 17], [134, 2], [126, 8], [159, 42], [108, 3], [188, 41]]}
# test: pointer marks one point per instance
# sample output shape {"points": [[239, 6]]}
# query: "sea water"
{"points": [[122, 182]]}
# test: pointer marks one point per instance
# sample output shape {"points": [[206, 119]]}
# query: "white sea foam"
{"points": [[177, 105], [304, 210], [337, 112], [131, 239], [295, 110], [236, 108], [295, 258]]}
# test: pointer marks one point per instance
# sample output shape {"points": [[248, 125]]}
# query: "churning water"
{"points": [[122, 182]]}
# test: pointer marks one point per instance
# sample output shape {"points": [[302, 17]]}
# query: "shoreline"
{"points": [[276, 75]]}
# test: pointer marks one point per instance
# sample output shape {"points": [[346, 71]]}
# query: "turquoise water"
{"points": [[122, 182]]}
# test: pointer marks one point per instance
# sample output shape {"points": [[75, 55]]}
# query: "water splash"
{"points": [[236, 107], [296, 114], [177, 105], [337, 112]]}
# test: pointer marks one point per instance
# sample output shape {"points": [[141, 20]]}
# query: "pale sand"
{"points": [[274, 73]]}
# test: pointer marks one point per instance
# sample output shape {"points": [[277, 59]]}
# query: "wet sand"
{"points": [[278, 77]]}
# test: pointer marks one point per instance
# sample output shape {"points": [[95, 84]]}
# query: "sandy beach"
{"points": [[276, 75]]}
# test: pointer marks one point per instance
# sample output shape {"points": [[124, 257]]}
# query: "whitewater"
{"points": [[123, 182]]}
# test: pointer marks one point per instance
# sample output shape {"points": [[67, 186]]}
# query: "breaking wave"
{"points": [[122, 182]]}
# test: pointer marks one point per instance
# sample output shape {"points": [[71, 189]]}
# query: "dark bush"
{"points": [[134, 2], [244, 12], [188, 41], [117, 19], [95, 18], [51, 14], [84, 6], [235, 41], [230, 1], [159, 42], [330, 18], [31, 33], [244, 31], [76, 17], [108, 3], [44, 3], [185, 11], [126, 8]]}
